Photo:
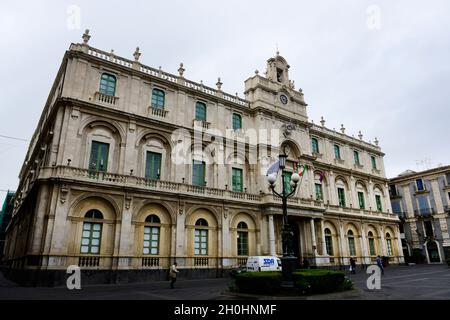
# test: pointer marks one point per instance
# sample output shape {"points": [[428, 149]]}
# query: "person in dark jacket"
{"points": [[353, 265], [380, 264]]}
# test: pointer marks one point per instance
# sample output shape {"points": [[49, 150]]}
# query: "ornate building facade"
{"points": [[422, 202], [131, 168]]}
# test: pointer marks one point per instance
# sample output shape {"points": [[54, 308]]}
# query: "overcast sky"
{"points": [[382, 67]]}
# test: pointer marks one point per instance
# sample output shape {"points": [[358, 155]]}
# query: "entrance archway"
{"points": [[433, 251]]}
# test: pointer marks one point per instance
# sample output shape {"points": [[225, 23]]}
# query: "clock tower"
{"points": [[275, 92]]}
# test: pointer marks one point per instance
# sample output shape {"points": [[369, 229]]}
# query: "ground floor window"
{"points": [[90, 240]]}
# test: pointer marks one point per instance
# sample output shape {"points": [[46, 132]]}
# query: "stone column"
{"points": [[383, 243], [401, 258], [271, 235], [364, 249], [342, 245], [324, 245], [313, 237]]}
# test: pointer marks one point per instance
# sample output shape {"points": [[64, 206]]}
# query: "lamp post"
{"points": [[288, 261]]}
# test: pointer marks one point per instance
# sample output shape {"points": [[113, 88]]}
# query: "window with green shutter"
{"points": [[389, 245], [153, 165], [237, 180], [371, 244], [99, 156], [108, 84], [315, 145], [362, 204], [158, 99], [287, 181], [374, 162], [151, 235], [92, 232], [351, 243], [378, 202], [319, 192], [341, 197], [198, 173], [200, 111], [237, 121], [242, 239], [329, 241], [356, 157], [201, 238], [337, 152]]}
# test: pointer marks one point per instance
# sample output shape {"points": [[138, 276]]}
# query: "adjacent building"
{"points": [[131, 168], [422, 201], [5, 217]]}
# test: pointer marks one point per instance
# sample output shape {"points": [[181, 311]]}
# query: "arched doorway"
{"points": [[433, 251]]}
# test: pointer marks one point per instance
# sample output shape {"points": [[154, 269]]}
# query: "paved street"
{"points": [[402, 282]]}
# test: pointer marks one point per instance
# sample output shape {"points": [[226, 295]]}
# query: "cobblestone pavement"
{"points": [[429, 282]]}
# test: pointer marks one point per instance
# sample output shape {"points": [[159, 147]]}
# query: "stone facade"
{"points": [[422, 201], [61, 196]]}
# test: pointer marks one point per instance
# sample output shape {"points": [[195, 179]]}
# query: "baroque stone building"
{"points": [[115, 182], [422, 201]]}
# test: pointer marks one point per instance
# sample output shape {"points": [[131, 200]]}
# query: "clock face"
{"points": [[283, 99]]}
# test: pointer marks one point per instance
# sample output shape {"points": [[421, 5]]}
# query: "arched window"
{"points": [[108, 84], [152, 230], [158, 99], [389, 244], [329, 241], [371, 243], [201, 238], [351, 243], [200, 111], [92, 232], [242, 239]]}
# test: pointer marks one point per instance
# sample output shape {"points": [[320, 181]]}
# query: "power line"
{"points": [[13, 138]]}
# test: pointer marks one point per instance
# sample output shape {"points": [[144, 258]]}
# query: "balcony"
{"points": [[106, 99], [200, 123], [339, 161], [317, 155], [424, 212], [376, 171], [157, 112], [358, 166]]}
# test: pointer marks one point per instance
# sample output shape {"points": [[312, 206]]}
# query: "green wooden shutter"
{"points": [[153, 165], [287, 181], [200, 111], [237, 184], [198, 173], [361, 200], [99, 156]]}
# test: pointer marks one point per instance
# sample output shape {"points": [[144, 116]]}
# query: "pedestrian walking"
{"points": [[353, 265], [173, 274], [380, 264]]}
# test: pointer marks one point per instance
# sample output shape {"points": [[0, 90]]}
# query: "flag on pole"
{"points": [[303, 170], [321, 176], [274, 168]]}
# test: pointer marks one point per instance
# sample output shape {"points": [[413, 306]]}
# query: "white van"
{"points": [[263, 263]]}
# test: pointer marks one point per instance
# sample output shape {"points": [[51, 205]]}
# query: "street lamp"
{"points": [[288, 261]]}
